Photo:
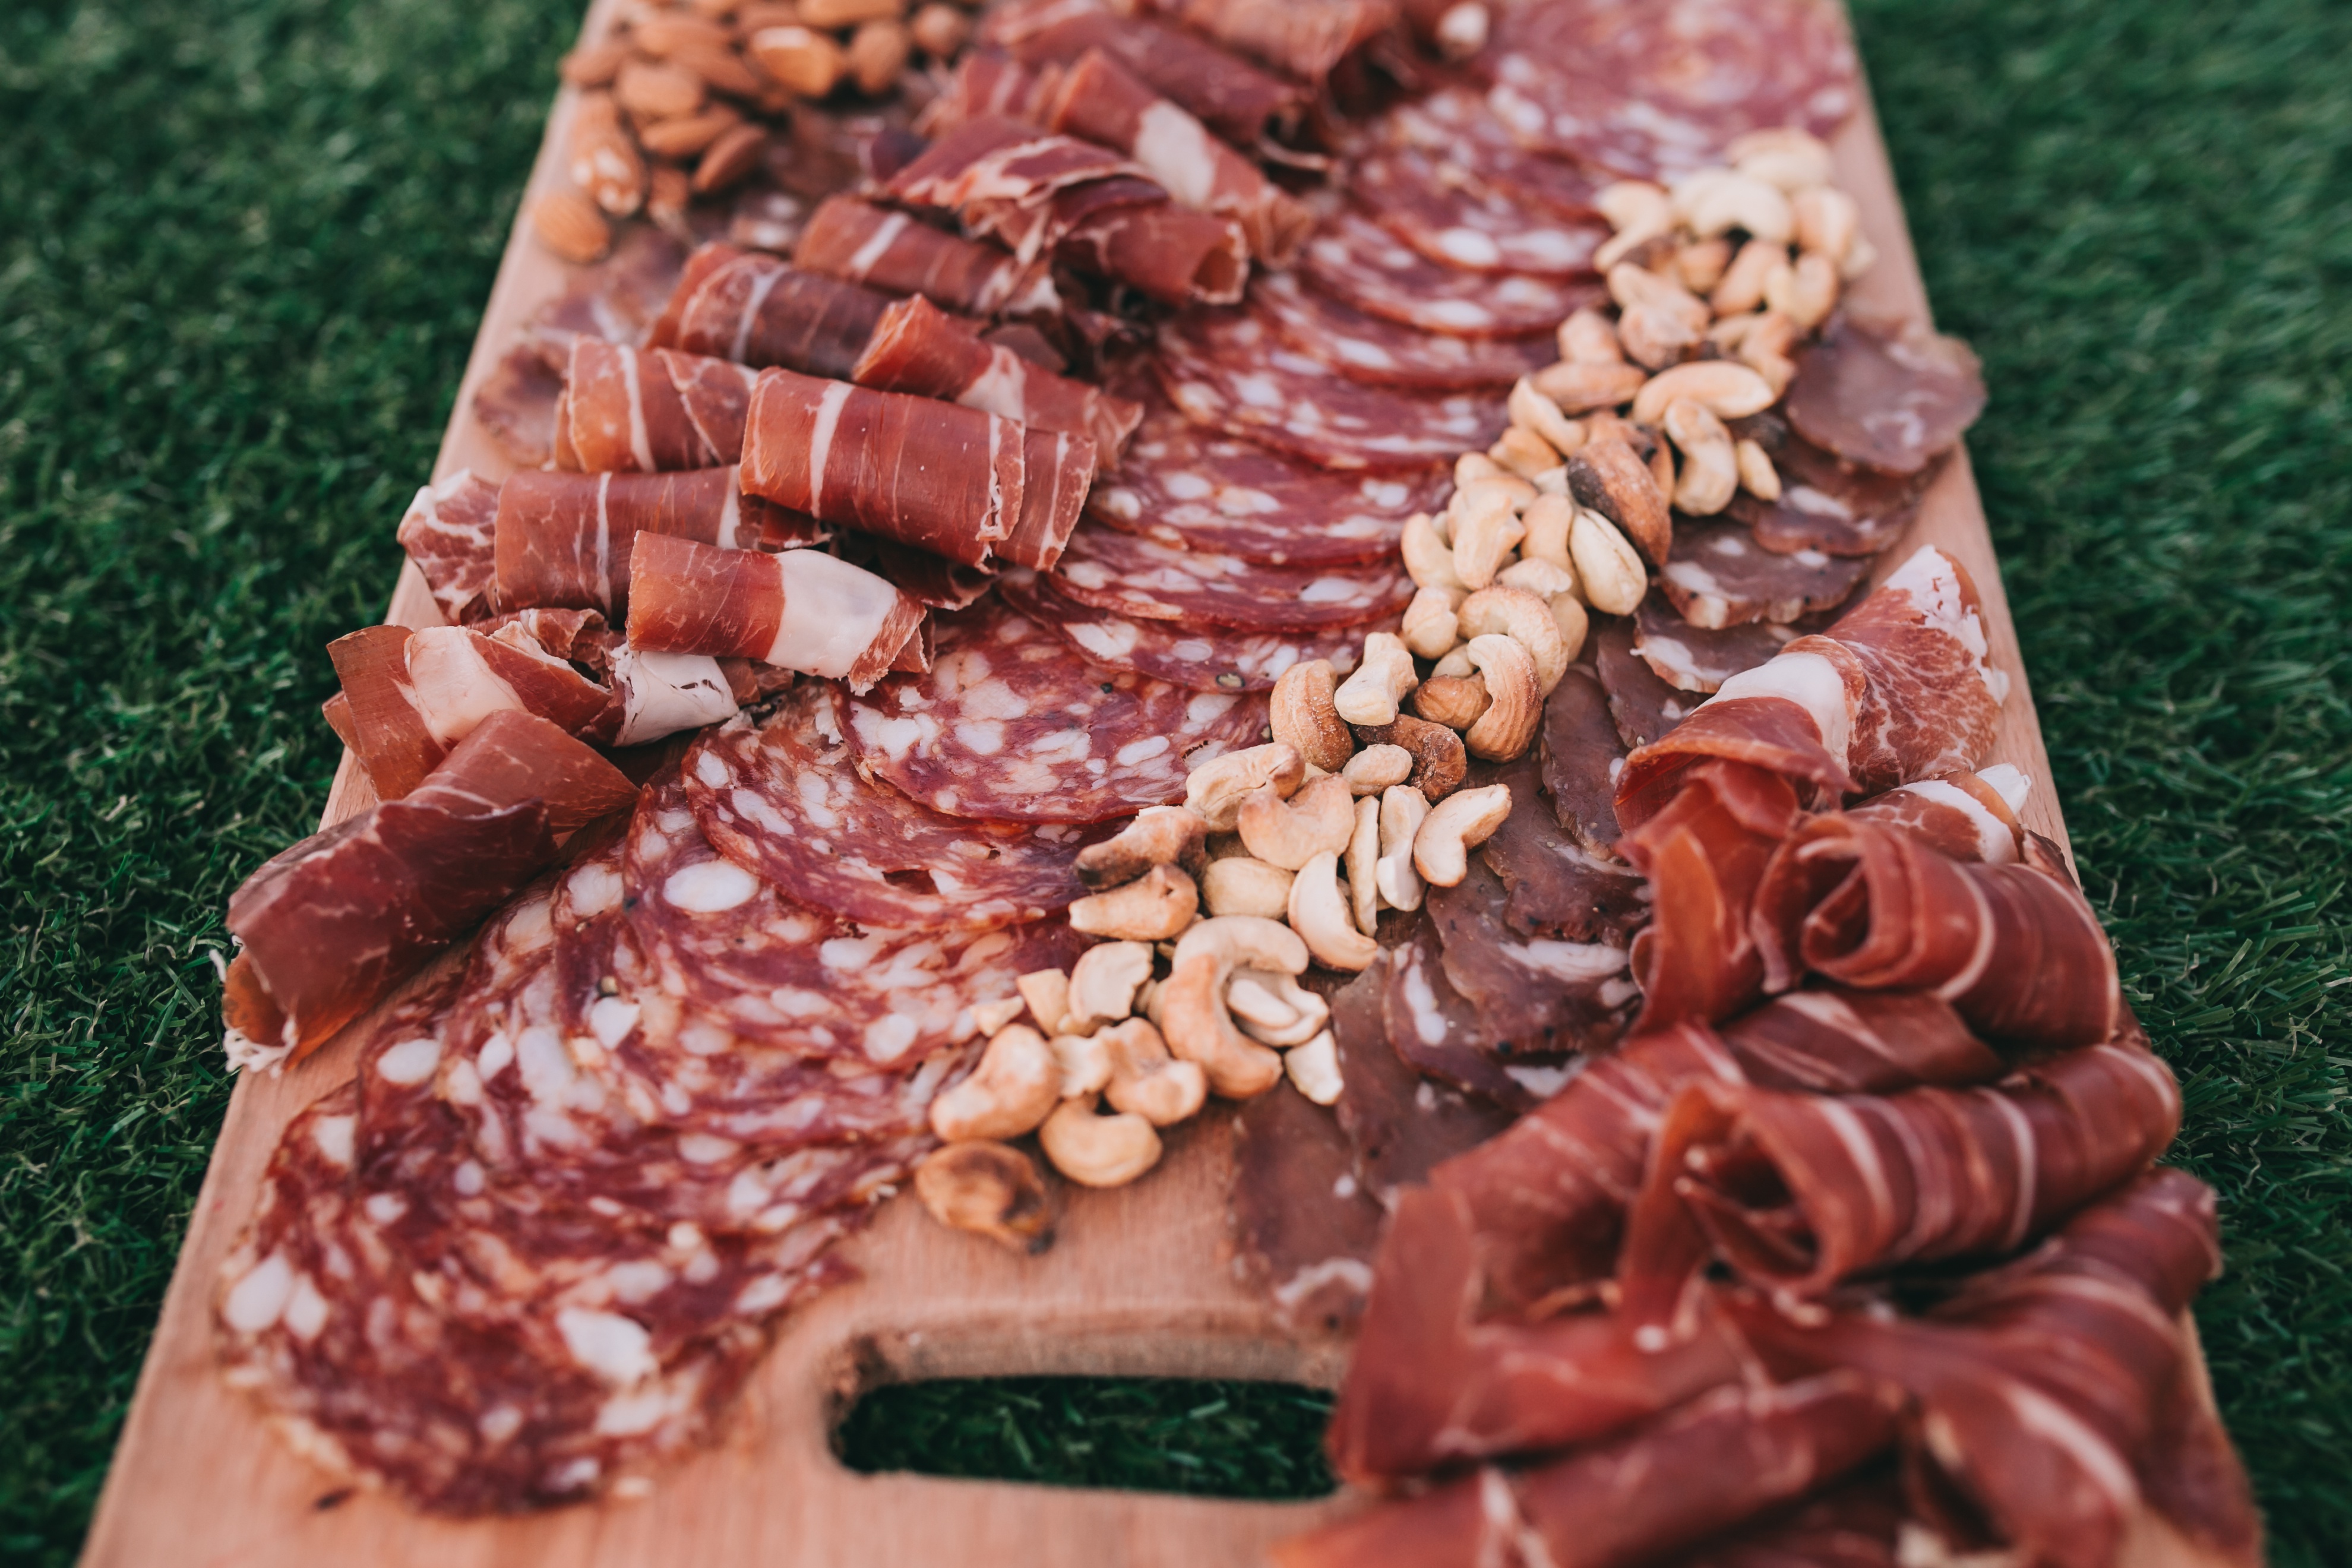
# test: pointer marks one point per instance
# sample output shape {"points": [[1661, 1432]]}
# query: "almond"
{"points": [[665, 33], [650, 91], [685, 138], [763, 14], [594, 65], [723, 70], [669, 192], [849, 13], [728, 160], [877, 53], [809, 63], [603, 160], [939, 30], [569, 224]]}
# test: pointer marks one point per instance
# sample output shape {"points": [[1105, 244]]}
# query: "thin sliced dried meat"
{"points": [[1826, 504], [1641, 704], [516, 403], [1536, 998], [1557, 888], [1580, 752], [1147, 580], [1204, 658], [1305, 1229], [1719, 576], [1438, 1032], [1892, 400], [1700, 659], [1400, 1124], [1353, 259], [1456, 125], [1381, 352], [1433, 206]]}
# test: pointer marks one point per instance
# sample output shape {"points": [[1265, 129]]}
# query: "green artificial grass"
{"points": [[243, 250]]}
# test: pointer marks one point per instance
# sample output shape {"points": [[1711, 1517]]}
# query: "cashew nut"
{"points": [[1241, 885], [1103, 984], [1320, 915], [1654, 338], [1160, 836], [1785, 156], [1507, 728], [1542, 578], [1539, 414], [1085, 1061], [1720, 200], [1472, 466], [1275, 1009], [1402, 810], [1370, 695], [1729, 331], [1314, 1069], [1155, 906], [1725, 388], [1016, 1083], [1097, 1151], [987, 1017], [1523, 452], [1662, 468], [1827, 221], [1700, 265], [1290, 833], [1758, 476], [1428, 558], [1741, 289], [1146, 1081], [1192, 1015], [1047, 992], [1428, 628], [1610, 476], [1765, 349], [1547, 520], [1375, 768], [1612, 573], [1453, 700], [1304, 719], [1527, 621], [1441, 849], [1363, 854], [1439, 762], [1485, 531], [1580, 386], [1638, 289], [1454, 666], [1807, 293], [989, 1188], [1216, 788], [1710, 475], [1568, 614], [1587, 337], [1633, 203]]}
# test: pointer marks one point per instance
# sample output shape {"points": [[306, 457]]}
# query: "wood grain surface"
{"points": [[1141, 1282]]}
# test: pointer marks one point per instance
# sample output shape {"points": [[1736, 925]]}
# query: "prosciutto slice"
{"points": [[1704, 856], [625, 411], [1302, 38], [450, 531], [1238, 101], [563, 539], [328, 928], [801, 610], [1968, 816], [755, 309], [919, 348], [899, 253]]}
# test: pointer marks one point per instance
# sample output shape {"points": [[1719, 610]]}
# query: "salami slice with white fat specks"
{"points": [[1826, 504], [1149, 580], [1187, 486], [1695, 658], [1434, 206], [784, 798], [1893, 401], [1006, 725], [1458, 126], [1230, 371], [1717, 576], [1378, 353], [1204, 658], [1353, 259]]}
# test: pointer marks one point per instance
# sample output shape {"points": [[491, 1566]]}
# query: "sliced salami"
{"points": [[1150, 582], [1381, 352], [1649, 88], [1695, 658], [1719, 576], [1230, 371], [1432, 205], [1202, 659], [1184, 485], [1008, 727], [1826, 504], [1457, 125], [1642, 706], [1580, 752], [786, 799], [1353, 259], [1890, 400]]}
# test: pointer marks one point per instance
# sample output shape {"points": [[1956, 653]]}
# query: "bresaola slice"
{"points": [[1201, 659], [1433, 208], [1893, 401], [1353, 259], [1697, 659], [801, 610], [1719, 576], [1827, 505], [1305, 1229], [1642, 704], [1149, 580], [1381, 353]]}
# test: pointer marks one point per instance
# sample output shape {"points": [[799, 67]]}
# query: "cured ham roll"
{"points": [[1704, 855], [1968, 816], [629, 413], [801, 610], [862, 243], [1234, 97], [328, 928], [919, 348], [449, 531], [563, 540], [1058, 472], [1303, 39], [753, 308]]}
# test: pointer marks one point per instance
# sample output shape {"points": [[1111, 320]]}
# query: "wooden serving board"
{"points": [[1140, 1283]]}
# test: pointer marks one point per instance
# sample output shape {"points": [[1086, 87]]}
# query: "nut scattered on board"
{"points": [[1098, 1150], [1155, 906], [1018, 1081], [989, 1188]]}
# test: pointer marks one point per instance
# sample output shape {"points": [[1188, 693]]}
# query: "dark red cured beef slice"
{"points": [[1652, 88], [1438, 1031], [1580, 752], [617, 299], [784, 798], [1536, 998], [1381, 353], [1642, 706], [1186, 486], [1302, 1226], [1456, 125], [1697, 659], [1232, 372], [1893, 401], [1557, 888], [1400, 1124], [1434, 208], [1006, 726], [1149, 580], [1204, 658], [516, 403], [1353, 259], [1825, 504], [1718, 576]]}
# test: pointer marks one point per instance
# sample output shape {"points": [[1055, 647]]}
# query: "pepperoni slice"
{"points": [[1826, 504], [1381, 352], [1433, 204], [784, 798], [1717, 576], [1006, 726], [1204, 658], [1232, 372], [1353, 259], [1893, 401], [1149, 580]]}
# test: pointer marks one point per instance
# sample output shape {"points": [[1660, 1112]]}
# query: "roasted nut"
{"points": [[1160, 836], [1639, 288], [1272, 1009], [1785, 156], [1588, 337], [1439, 762], [721, 71], [1319, 914], [1097, 1151], [663, 34], [989, 1188], [1192, 1015], [1242, 884], [848, 13], [1507, 728], [1152, 908], [1548, 519], [1742, 288], [1710, 470], [1289, 833], [1047, 993], [1428, 558], [1402, 811], [1085, 1063], [758, 15], [604, 161], [596, 64], [1455, 701], [1653, 338], [685, 138], [1526, 620], [1699, 266], [990, 1016], [1313, 1069], [1606, 565], [1441, 849], [1146, 1081], [1363, 855], [1542, 578], [1370, 695], [1721, 200], [1375, 768], [1578, 386], [1758, 476], [1016, 1083], [939, 30], [878, 51], [668, 191], [1470, 468], [1103, 984], [570, 224], [1728, 330], [1611, 479], [1725, 388], [1765, 349], [1530, 407], [1633, 203], [1807, 293], [1455, 666], [801, 60], [1428, 623], [729, 160], [1662, 468], [1827, 221], [651, 91], [1523, 452], [1643, 248], [1216, 788], [1304, 719], [1859, 258], [1485, 531]]}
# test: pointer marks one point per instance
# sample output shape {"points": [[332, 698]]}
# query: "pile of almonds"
{"points": [[673, 98]]}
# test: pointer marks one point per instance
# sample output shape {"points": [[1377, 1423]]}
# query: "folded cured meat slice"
{"points": [[1400, 1125], [625, 411], [1301, 39], [1579, 752], [1893, 400], [1701, 658], [755, 309], [1351, 258], [1968, 816], [1305, 1228], [562, 541], [1825, 504], [415, 694], [1440, 1033], [1641, 703], [925, 473], [1381, 353], [1149, 580], [1831, 1040], [328, 928], [934, 579], [919, 348], [1630, 1499], [1006, 726], [1128, 231], [1428, 203], [1719, 576], [1474, 150], [1204, 658], [1856, 1525], [1230, 371], [618, 300], [1238, 101], [786, 799], [1705, 854], [899, 253], [450, 532], [1651, 90], [801, 610]]}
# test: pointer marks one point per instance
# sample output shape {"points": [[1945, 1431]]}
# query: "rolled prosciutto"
{"points": [[1238, 101], [563, 540], [450, 532], [628, 412], [1058, 470], [1303, 39], [756, 310], [1704, 855], [899, 253], [919, 348], [328, 928], [801, 610], [1968, 816]]}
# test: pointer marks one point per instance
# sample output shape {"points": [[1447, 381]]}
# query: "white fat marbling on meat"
{"points": [[833, 612], [1807, 679], [410, 1062], [615, 1348], [829, 405], [452, 686], [709, 887], [1996, 845], [1177, 149], [255, 1302], [664, 693]]}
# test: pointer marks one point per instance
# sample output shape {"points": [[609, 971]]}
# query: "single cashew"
{"points": [[1700, 265], [1729, 331], [987, 1017], [1103, 984], [1710, 475], [1568, 614], [1638, 246], [1633, 203], [1588, 337], [1485, 531], [1439, 761], [1274, 1009], [1363, 853], [1578, 386], [1428, 558], [1725, 388], [1523, 452], [1429, 622], [1661, 470], [1146, 1081], [1314, 1069], [1609, 477], [1244, 886], [1155, 906], [1453, 700], [1047, 992], [1375, 768], [1725, 200], [1319, 914], [1085, 1061], [1548, 519], [1639, 288], [1097, 1151], [1402, 811], [1290, 833], [1370, 695], [1542, 578], [1472, 466], [1160, 836], [1827, 221], [1192, 1015], [1807, 293], [1526, 620], [1612, 573], [1530, 407], [1441, 849], [1303, 720], [1758, 476], [1785, 156], [989, 1188], [1016, 1084], [1146, 1003], [1454, 666], [1216, 788], [1765, 349], [1507, 728]]}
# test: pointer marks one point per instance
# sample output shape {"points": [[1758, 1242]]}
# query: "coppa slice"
{"points": [[1186, 486], [1204, 658], [1230, 371], [1825, 504], [1008, 726], [1381, 353], [1355, 259], [1140, 577], [1719, 576], [1433, 208]]}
